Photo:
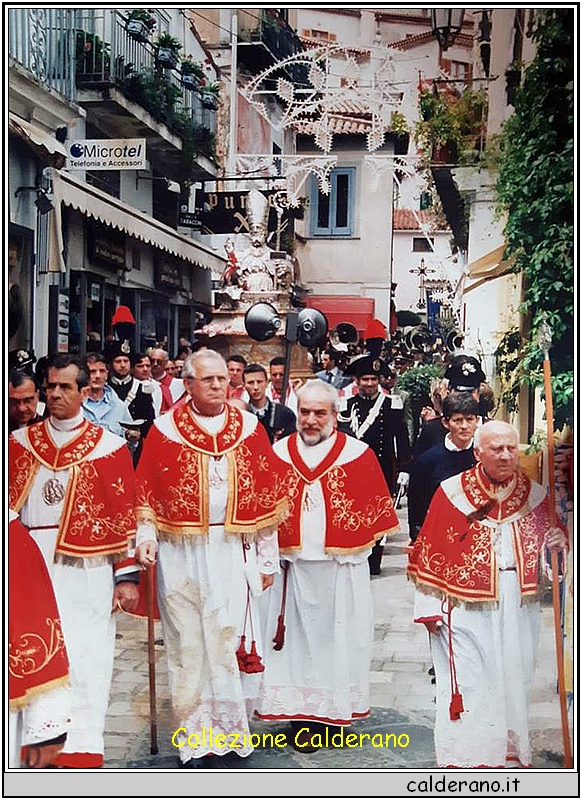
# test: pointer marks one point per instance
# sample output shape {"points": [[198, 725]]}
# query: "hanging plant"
{"points": [[452, 125], [192, 73], [140, 24], [535, 189], [167, 51]]}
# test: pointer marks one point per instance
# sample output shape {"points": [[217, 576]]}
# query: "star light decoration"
{"points": [[334, 82]]}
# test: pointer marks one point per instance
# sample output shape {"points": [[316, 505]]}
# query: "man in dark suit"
{"points": [[369, 416], [331, 373], [279, 421]]}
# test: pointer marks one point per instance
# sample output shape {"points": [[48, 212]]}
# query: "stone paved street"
{"points": [[401, 695]]}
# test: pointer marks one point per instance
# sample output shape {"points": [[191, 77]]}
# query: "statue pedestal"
{"points": [[226, 333]]}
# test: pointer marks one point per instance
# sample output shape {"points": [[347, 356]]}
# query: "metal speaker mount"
{"points": [[311, 327], [262, 322]]}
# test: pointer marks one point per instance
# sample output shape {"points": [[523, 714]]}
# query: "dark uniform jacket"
{"points": [[387, 435], [274, 417], [428, 471], [141, 407]]}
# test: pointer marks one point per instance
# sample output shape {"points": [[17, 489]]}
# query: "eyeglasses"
{"points": [[222, 379]]}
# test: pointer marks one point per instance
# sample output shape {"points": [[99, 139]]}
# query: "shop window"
{"points": [[20, 269], [333, 214], [420, 244]]}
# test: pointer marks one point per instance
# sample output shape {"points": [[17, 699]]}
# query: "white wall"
{"points": [[359, 265], [407, 291]]}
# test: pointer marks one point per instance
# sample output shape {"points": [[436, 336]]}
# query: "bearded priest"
{"points": [[320, 614]]}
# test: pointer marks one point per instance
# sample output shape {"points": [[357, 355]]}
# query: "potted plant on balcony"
{"points": [[209, 94], [167, 51], [140, 24], [192, 73]]}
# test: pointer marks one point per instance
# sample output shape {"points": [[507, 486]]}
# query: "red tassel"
{"points": [[456, 706], [253, 662], [241, 653], [279, 637]]}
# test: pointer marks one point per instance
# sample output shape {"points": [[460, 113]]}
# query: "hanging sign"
{"points": [[101, 154]]}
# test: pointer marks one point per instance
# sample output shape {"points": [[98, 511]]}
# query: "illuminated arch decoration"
{"points": [[348, 90]]}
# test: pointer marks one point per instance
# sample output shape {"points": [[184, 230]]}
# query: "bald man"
{"points": [[477, 566]]}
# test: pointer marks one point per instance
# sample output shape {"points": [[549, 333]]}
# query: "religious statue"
{"points": [[257, 272]]}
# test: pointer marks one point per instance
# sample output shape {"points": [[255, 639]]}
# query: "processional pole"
{"points": [[545, 342]]}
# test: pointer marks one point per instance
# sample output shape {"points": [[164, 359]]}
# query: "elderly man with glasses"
{"points": [[207, 513]]}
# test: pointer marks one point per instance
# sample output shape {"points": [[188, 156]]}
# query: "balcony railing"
{"points": [[78, 50], [40, 40], [277, 36], [130, 66]]}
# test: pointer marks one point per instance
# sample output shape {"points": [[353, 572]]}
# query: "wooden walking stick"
{"points": [[152, 661], [545, 341]]}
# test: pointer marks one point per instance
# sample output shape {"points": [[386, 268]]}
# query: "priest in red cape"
{"points": [[207, 511], [320, 615], [477, 565], [38, 667], [72, 483]]}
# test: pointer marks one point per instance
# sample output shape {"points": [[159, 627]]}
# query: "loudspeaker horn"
{"points": [[262, 321], [311, 327], [419, 338], [342, 335], [454, 340]]}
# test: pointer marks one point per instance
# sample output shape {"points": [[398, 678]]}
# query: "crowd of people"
{"points": [[263, 517]]}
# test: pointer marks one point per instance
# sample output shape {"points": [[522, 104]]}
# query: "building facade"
{"points": [[86, 240]]}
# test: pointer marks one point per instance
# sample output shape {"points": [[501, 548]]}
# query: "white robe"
{"points": [[494, 652], [322, 672], [45, 717], [83, 593], [202, 596]]}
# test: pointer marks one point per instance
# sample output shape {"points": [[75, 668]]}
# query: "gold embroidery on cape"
{"points": [[192, 434], [80, 507], [475, 490], [288, 487], [526, 546], [243, 493], [22, 475], [183, 499], [344, 516], [74, 452], [32, 652], [479, 564]]}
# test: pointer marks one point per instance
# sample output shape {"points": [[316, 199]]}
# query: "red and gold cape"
{"points": [[172, 476], [454, 556], [358, 504], [97, 519], [37, 659]]}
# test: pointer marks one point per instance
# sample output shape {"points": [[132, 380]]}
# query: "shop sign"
{"points": [[63, 326], [106, 246], [167, 273], [107, 154], [95, 292], [225, 212]]}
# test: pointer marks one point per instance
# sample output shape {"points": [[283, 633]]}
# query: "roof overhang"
{"points": [[99, 205], [42, 142], [489, 266]]}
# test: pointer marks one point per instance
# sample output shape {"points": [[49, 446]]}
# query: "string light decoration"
{"points": [[343, 90]]}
